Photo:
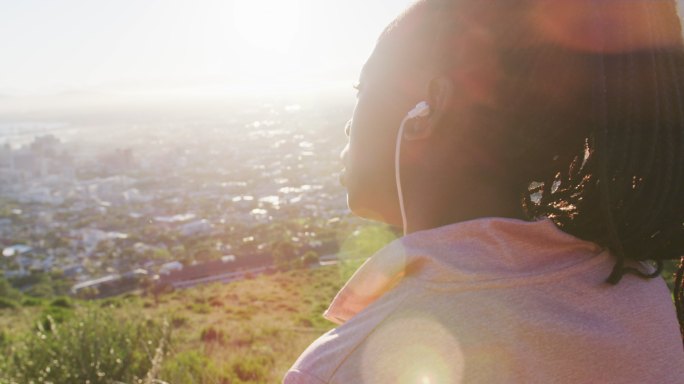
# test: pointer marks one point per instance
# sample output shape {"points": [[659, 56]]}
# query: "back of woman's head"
{"points": [[581, 103]]}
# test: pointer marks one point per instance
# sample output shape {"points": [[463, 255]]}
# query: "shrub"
{"points": [[309, 258], [201, 308], [4, 339], [241, 312], [211, 334], [253, 368], [111, 303], [91, 346], [53, 315], [6, 303], [178, 321], [7, 291], [305, 322], [31, 302], [215, 302], [41, 289], [62, 302], [190, 367]]}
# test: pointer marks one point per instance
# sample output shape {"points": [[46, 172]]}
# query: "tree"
{"points": [[310, 257], [283, 252]]}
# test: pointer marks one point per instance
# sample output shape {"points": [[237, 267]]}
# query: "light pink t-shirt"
{"points": [[495, 300]]}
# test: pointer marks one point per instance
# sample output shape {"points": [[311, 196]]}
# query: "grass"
{"points": [[247, 331], [252, 331]]}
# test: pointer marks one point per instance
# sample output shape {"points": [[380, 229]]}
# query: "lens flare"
{"points": [[412, 349]]}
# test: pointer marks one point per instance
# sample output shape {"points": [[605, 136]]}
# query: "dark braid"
{"points": [[679, 294]]}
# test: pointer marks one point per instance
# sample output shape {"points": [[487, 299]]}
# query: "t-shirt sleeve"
{"points": [[295, 376]]}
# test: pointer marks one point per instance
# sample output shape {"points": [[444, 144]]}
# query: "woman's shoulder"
{"points": [[324, 358]]}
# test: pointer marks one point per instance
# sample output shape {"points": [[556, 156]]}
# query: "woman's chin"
{"points": [[363, 211]]}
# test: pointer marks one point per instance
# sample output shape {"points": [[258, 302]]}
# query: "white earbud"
{"points": [[421, 109]]}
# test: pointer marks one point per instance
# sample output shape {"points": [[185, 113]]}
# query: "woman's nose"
{"points": [[347, 127]]}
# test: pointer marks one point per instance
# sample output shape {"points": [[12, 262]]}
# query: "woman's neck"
{"points": [[427, 210]]}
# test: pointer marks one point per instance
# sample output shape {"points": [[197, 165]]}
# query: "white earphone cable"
{"points": [[397, 173]]}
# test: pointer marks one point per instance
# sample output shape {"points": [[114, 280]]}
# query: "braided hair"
{"points": [[586, 116], [625, 190]]}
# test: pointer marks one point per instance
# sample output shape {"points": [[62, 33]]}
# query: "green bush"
{"points": [[94, 346], [4, 339], [5, 345], [200, 308], [253, 368], [42, 289], [6, 303], [7, 291], [31, 302], [62, 302], [51, 315], [190, 367], [112, 303]]}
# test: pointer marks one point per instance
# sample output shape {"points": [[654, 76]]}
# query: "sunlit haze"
{"points": [[160, 47]]}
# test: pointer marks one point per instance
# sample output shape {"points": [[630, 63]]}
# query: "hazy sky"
{"points": [[53, 46]]}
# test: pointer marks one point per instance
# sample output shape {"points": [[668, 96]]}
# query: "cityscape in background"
{"points": [[100, 208]]}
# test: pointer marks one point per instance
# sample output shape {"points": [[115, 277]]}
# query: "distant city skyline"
{"points": [[155, 47]]}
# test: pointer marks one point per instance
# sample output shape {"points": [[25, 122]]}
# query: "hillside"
{"points": [[248, 331]]}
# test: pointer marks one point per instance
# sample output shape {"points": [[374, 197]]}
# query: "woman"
{"points": [[533, 152]]}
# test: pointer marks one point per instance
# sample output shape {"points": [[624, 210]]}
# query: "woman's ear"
{"points": [[440, 100], [441, 92]]}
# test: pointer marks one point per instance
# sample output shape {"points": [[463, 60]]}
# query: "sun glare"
{"points": [[267, 25]]}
